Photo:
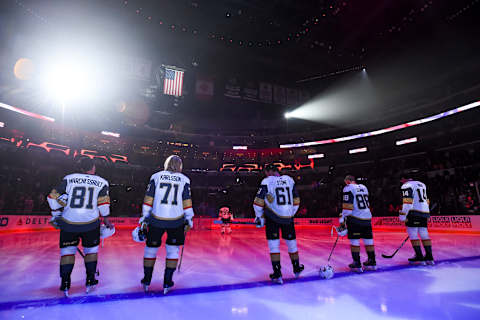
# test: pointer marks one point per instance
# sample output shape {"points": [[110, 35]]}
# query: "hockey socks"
{"points": [[371, 253], [66, 266], [168, 277], [91, 265], [427, 245], [416, 247], [355, 254], [148, 264]]}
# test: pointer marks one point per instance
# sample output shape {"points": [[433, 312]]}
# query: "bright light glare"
{"points": [[111, 134], [2, 124], [240, 147], [359, 150], [316, 156], [406, 141], [287, 115], [66, 82]]}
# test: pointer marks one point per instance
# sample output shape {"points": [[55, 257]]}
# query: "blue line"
{"points": [[13, 305]]}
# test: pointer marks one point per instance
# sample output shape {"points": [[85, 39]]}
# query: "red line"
{"points": [[148, 204], [101, 204]]}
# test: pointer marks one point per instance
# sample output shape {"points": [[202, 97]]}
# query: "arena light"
{"points": [[358, 150], [288, 115], [240, 147], [111, 134], [67, 82], [2, 124], [406, 141], [26, 113], [316, 156], [385, 130]]}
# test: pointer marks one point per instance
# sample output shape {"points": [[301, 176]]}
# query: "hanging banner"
{"points": [[266, 92]]}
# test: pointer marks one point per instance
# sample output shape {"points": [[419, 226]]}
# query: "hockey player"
{"points": [[167, 207], [358, 218], [275, 205], [226, 216], [83, 197], [415, 212]]}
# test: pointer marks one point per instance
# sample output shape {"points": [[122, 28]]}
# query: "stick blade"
{"points": [[387, 257]]}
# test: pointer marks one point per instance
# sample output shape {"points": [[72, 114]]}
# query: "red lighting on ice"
{"points": [[26, 113]]}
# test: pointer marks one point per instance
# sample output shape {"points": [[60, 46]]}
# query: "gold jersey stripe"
{"points": [[148, 200], [347, 206], [187, 203], [54, 194], [259, 202], [407, 200], [296, 201], [103, 200]]}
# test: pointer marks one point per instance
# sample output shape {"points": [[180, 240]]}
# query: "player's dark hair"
{"points": [[349, 177], [271, 167], [85, 164]]}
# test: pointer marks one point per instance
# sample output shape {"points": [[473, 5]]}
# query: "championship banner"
{"points": [[279, 95], [204, 88], [136, 68], [232, 88], [292, 97], [266, 92], [250, 91]]}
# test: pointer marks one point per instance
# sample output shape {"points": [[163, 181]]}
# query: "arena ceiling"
{"points": [[284, 41]]}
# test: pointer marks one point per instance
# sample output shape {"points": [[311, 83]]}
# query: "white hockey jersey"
{"points": [[355, 202], [414, 194], [85, 194], [279, 198], [168, 195]]}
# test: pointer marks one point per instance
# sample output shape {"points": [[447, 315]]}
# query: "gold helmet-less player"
{"points": [[416, 212], [167, 208]]}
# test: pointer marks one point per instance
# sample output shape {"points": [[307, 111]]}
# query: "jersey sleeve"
{"points": [[186, 196], [296, 196], [53, 197], [150, 193], [347, 202], [260, 197], [103, 196], [407, 202]]}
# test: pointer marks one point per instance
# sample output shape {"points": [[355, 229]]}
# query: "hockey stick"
{"points": [[83, 256], [393, 254], [331, 252], [181, 254], [234, 222]]}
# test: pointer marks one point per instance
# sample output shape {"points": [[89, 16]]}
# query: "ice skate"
{"points": [[416, 260], [145, 284], [167, 287], [429, 260], [370, 265], [276, 277], [356, 267], [65, 286], [90, 285], [298, 271]]}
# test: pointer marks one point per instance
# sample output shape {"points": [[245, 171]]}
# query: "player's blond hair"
{"points": [[173, 164]]}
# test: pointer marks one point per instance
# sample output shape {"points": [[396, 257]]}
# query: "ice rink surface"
{"points": [[225, 277]]}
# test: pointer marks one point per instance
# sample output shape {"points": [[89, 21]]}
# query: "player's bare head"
{"points": [[86, 165], [409, 175], [349, 179], [173, 164], [271, 170]]}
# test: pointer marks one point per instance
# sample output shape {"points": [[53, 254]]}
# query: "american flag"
{"points": [[173, 82]]}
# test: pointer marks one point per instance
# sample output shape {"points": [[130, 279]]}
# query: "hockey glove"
{"points": [[260, 222], [188, 224]]}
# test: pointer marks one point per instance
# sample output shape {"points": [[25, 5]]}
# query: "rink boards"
{"points": [[457, 223]]}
